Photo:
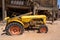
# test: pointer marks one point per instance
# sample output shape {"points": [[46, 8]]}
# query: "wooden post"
{"points": [[52, 12], [58, 12], [3, 9], [52, 16], [34, 10]]}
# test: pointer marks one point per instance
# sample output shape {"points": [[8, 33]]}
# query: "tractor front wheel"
{"points": [[43, 29]]}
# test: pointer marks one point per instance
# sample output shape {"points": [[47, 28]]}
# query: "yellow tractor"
{"points": [[17, 24]]}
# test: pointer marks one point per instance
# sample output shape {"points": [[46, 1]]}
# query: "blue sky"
{"points": [[59, 3]]}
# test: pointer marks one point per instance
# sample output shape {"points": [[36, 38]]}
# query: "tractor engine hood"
{"points": [[30, 17]]}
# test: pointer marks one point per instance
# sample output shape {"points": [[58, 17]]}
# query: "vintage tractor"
{"points": [[17, 24]]}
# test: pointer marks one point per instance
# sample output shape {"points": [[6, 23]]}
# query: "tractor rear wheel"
{"points": [[43, 29], [14, 29]]}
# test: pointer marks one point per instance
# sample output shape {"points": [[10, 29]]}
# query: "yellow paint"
{"points": [[29, 18], [25, 19], [15, 19]]}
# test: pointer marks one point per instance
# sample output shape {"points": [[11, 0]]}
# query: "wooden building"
{"points": [[47, 7]]}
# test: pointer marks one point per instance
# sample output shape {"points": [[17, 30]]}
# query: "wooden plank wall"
{"points": [[42, 2]]}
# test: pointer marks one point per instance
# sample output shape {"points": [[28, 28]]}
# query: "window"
{"points": [[17, 2]]}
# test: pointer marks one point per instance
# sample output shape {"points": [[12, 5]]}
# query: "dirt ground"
{"points": [[53, 33]]}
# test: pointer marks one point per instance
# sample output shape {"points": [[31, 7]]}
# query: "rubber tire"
{"points": [[41, 26], [14, 23]]}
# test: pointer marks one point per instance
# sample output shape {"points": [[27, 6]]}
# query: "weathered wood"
{"points": [[18, 7], [3, 9], [43, 4], [46, 3]]}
